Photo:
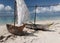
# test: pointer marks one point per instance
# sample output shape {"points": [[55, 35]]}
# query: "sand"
{"points": [[38, 36]]}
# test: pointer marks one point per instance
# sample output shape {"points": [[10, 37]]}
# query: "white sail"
{"points": [[22, 12]]}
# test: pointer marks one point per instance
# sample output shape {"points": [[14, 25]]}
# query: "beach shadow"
{"points": [[42, 29], [47, 30], [25, 34], [15, 35]]}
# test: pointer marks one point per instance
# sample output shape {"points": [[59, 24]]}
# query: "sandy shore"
{"points": [[38, 36]]}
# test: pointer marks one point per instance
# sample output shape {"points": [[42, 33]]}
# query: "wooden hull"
{"points": [[19, 29], [14, 29], [38, 26]]}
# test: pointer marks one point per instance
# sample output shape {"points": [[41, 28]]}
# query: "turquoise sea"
{"points": [[6, 20]]}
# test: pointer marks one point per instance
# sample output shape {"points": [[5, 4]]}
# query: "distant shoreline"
{"points": [[37, 22]]}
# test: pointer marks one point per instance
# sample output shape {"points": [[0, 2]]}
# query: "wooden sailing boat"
{"points": [[38, 26], [22, 13]]}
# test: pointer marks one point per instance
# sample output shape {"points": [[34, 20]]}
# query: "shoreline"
{"points": [[38, 22], [47, 21]]}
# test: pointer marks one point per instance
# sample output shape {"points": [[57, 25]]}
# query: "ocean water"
{"points": [[7, 20], [47, 16]]}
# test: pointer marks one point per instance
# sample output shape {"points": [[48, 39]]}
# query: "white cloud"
{"points": [[55, 8], [1, 7], [8, 8], [48, 9], [42, 9]]}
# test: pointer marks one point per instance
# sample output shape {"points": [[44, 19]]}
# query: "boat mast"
{"points": [[35, 15], [15, 13]]}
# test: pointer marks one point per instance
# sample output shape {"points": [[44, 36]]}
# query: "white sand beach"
{"points": [[38, 36]]}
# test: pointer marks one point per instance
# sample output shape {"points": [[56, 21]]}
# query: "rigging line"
{"points": [[41, 5]]}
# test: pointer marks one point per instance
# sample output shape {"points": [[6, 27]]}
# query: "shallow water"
{"points": [[6, 20]]}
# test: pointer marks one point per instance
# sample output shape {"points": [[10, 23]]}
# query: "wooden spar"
{"points": [[35, 15], [42, 5], [14, 11]]}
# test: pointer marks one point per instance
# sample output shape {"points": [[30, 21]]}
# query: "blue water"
{"points": [[46, 16], [6, 20]]}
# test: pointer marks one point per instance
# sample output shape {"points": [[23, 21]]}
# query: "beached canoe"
{"points": [[38, 26]]}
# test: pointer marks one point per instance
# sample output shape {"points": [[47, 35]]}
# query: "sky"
{"points": [[6, 7], [42, 2], [46, 7]]}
